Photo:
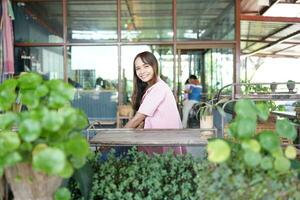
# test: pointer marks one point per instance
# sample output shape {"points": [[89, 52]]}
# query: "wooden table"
{"points": [[152, 137]]}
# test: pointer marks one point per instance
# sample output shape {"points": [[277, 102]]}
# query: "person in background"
{"points": [[153, 101], [194, 91]]}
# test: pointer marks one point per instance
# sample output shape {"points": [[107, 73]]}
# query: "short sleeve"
{"points": [[152, 99]]}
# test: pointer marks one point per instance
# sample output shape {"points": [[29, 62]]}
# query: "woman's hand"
{"points": [[135, 121]]}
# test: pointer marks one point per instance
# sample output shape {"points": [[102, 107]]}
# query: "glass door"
{"points": [[212, 66]]}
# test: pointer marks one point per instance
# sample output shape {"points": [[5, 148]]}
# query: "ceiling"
{"points": [[270, 28]]}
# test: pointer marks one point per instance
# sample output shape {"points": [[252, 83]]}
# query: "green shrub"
{"points": [[138, 176]]}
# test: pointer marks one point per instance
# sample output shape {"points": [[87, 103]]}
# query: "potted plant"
{"points": [[273, 87], [40, 135], [205, 112], [290, 85]]}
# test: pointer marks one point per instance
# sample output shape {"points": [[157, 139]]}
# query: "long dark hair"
{"points": [[140, 87]]}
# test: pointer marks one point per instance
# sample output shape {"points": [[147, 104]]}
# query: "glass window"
{"points": [[44, 60], [38, 21], [205, 20], [92, 21], [93, 70], [218, 69], [94, 67], [146, 20]]}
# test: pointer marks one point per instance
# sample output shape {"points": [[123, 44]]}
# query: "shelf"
{"points": [[271, 96]]}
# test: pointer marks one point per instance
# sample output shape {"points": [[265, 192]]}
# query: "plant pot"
{"points": [[207, 122], [28, 184], [291, 86], [273, 87]]}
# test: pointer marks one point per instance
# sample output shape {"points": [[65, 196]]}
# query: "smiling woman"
{"points": [[153, 101]]}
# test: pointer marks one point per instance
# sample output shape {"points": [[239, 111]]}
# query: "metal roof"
{"points": [[270, 29]]}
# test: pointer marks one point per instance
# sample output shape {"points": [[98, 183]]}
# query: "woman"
{"points": [[153, 101]]}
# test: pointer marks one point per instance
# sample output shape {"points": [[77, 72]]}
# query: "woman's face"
{"points": [[143, 71]]}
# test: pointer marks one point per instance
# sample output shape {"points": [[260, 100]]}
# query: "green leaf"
{"points": [[269, 140], [62, 194], [7, 94], [77, 147], [246, 128], [7, 120], [251, 144], [53, 121], [70, 117], [290, 152], [9, 141], [30, 81], [282, 164], [29, 99], [67, 171], [41, 91], [252, 158], [286, 129], [246, 108], [218, 151], [60, 87], [78, 162], [233, 129], [12, 158], [277, 152], [263, 111], [82, 120], [9, 85], [266, 163], [49, 160], [30, 129]]}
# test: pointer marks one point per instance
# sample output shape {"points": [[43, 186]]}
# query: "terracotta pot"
{"points": [[207, 122], [28, 184]]}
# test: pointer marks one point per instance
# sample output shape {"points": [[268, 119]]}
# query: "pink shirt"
{"points": [[159, 106]]}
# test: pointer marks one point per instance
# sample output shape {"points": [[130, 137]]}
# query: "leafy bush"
{"points": [[39, 126], [138, 176]]}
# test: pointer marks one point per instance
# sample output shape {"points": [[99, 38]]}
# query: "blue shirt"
{"points": [[195, 92]]}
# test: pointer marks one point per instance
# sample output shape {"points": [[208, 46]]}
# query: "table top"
{"points": [[152, 137], [288, 114]]}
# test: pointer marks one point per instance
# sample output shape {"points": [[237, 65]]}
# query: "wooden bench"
{"points": [[152, 137]]}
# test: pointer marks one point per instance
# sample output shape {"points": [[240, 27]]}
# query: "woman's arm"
{"points": [[135, 121]]}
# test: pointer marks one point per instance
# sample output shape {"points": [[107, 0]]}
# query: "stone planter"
{"points": [[28, 184]]}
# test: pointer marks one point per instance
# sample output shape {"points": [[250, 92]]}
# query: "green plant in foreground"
{"points": [[259, 150], [165, 176], [39, 126]]}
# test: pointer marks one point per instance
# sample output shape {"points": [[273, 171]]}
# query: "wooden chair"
{"points": [[124, 113]]}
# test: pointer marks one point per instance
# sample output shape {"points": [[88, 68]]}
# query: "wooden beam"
{"points": [[269, 19], [275, 43]]}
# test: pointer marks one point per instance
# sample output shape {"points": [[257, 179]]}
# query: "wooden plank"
{"points": [[152, 137], [287, 114]]}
